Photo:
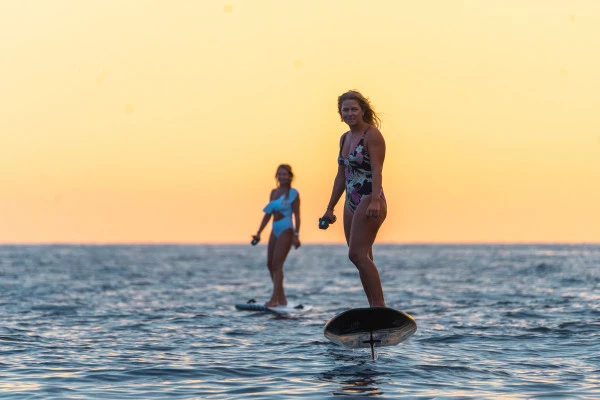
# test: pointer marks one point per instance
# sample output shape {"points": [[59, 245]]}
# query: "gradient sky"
{"points": [[137, 121]]}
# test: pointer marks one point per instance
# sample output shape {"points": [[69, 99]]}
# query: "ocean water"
{"points": [[158, 322]]}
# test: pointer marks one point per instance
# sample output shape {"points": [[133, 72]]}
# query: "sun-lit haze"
{"points": [[137, 121]]}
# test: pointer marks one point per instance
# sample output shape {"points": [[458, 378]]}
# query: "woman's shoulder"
{"points": [[342, 137], [373, 133], [372, 130]]}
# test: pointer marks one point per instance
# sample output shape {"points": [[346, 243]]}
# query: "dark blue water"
{"points": [[158, 322]]}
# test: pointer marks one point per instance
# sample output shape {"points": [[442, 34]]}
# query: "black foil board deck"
{"points": [[365, 327]]}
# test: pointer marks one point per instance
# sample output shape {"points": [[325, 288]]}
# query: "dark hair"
{"points": [[369, 116], [287, 167]]}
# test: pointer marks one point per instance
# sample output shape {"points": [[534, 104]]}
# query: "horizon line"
{"points": [[412, 243]]}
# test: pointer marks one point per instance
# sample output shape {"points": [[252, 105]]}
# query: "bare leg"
{"points": [[361, 236], [281, 248], [270, 251], [348, 215]]}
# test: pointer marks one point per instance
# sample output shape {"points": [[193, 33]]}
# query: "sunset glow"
{"points": [[132, 121]]}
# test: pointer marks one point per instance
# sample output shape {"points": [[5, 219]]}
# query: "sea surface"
{"points": [[159, 322]]}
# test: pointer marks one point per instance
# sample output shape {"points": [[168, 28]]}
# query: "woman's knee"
{"points": [[356, 256]]}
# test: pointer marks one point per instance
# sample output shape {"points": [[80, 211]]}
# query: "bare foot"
{"points": [[273, 303]]}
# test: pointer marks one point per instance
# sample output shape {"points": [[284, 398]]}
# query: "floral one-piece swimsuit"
{"points": [[359, 178]]}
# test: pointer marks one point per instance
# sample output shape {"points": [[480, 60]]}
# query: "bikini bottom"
{"points": [[282, 225]]}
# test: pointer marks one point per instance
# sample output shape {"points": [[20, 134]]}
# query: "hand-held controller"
{"points": [[324, 222]]}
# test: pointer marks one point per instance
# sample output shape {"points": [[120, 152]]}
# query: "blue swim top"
{"points": [[282, 204]]}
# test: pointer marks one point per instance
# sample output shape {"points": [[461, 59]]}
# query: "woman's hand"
{"points": [[329, 216], [374, 208], [296, 241]]}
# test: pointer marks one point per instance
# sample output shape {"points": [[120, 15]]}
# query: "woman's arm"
{"points": [[376, 148], [296, 210], [339, 185], [263, 223]]}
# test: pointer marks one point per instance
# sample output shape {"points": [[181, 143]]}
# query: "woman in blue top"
{"points": [[360, 165], [284, 202]]}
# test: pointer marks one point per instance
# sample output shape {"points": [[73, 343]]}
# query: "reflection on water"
{"points": [[365, 387], [354, 380]]}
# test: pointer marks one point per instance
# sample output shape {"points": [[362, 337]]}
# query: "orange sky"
{"points": [[134, 121]]}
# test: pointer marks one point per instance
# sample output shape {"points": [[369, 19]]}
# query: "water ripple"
{"points": [[118, 322]]}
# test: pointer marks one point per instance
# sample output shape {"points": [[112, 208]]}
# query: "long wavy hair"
{"points": [[369, 115], [288, 168]]}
